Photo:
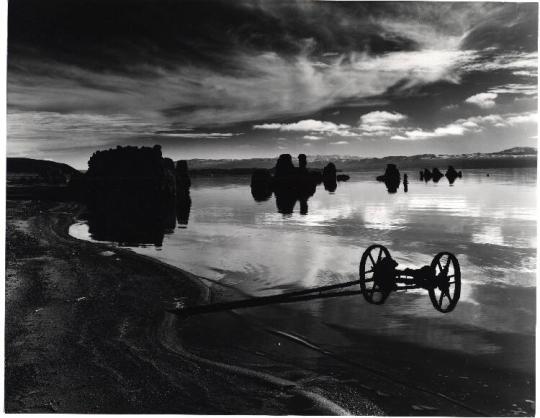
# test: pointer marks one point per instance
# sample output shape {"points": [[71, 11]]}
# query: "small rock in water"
{"points": [[106, 253], [81, 299]]}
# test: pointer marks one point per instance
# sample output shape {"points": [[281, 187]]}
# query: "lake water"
{"points": [[488, 222]]}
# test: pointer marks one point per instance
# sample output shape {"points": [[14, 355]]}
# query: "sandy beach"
{"points": [[86, 331], [83, 331]]}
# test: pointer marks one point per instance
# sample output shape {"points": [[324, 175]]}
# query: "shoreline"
{"points": [[138, 359], [92, 347]]}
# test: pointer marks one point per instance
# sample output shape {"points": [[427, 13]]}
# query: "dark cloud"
{"points": [[197, 71]]}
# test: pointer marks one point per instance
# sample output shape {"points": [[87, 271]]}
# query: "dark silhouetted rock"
{"points": [[183, 198], [342, 177], [405, 183], [183, 208], [261, 185], [284, 166], [302, 162], [391, 178], [183, 181], [436, 174], [391, 173], [329, 170], [330, 184], [292, 184], [426, 175], [452, 174], [134, 195]]}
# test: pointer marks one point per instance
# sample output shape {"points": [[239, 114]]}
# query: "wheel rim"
{"points": [[370, 289], [446, 292]]}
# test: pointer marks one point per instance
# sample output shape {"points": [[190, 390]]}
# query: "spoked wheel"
{"points": [[445, 294], [371, 290]]}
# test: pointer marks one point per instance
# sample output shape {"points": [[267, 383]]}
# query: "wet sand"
{"points": [[86, 331]]}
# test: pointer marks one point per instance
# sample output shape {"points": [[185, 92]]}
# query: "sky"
{"points": [[241, 79]]}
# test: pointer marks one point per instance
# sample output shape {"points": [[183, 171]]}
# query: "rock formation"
{"points": [[436, 174], [291, 184], [261, 185], [135, 196], [405, 183], [329, 170], [391, 178], [284, 166], [452, 174], [426, 175]]}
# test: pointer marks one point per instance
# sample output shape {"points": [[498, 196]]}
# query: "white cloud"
{"points": [[381, 117], [450, 107], [517, 61], [378, 123], [310, 125], [524, 118], [515, 88], [202, 96], [483, 100], [473, 124], [339, 143], [199, 134], [526, 73]]}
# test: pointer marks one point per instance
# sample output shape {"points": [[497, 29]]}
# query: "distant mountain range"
{"points": [[512, 157]]}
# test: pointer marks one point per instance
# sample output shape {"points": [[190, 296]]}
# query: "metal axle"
{"points": [[298, 296]]}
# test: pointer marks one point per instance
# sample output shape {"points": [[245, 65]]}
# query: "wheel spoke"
{"points": [[451, 275], [439, 264], [369, 271], [447, 264], [372, 260], [379, 256], [441, 299]]}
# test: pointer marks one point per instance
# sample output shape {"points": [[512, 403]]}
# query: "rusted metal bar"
{"points": [[298, 296]]}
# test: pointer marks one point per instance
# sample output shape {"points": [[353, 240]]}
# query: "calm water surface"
{"points": [[488, 222]]}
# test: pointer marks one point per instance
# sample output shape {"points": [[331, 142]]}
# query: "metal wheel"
{"points": [[370, 289], [447, 287]]}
